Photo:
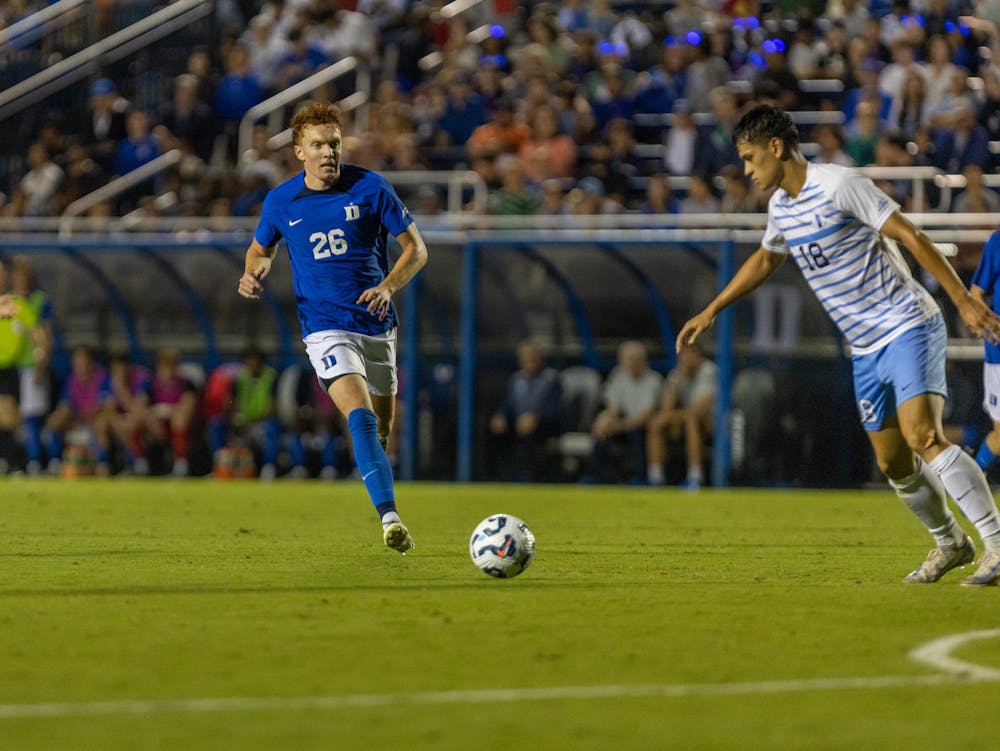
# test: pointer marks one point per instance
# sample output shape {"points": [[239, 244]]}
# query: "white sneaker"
{"points": [[328, 473], [298, 472], [268, 472], [942, 560], [397, 537], [33, 468], [988, 572], [140, 467], [55, 467], [181, 468]]}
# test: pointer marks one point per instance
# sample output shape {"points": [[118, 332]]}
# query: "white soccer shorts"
{"points": [[337, 353], [991, 391]]}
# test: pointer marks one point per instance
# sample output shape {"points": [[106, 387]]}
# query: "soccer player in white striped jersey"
{"points": [[834, 222]]}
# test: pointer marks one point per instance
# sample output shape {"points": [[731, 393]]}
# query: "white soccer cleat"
{"points": [[942, 560], [397, 537], [988, 572]]}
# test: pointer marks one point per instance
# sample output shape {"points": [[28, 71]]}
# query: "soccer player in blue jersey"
{"points": [[986, 281], [835, 222], [335, 219]]}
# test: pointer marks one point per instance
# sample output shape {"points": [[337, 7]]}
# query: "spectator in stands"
{"points": [[989, 110], [553, 198], [128, 415], [527, 418], [830, 139], [37, 191], [944, 112], [188, 119], [106, 125], [715, 147], [705, 73], [661, 85], [590, 198], [83, 175], [681, 141], [543, 31], [266, 48], [611, 97], [699, 198], [299, 60], [911, 115], [685, 416], [976, 197], [806, 53], [866, 129], [967, 142], [35, 378], [660, 196], [777, 76], [464, 111], [503, 134], [85, 397], [853, 14], [515, 196], [173, 401], [139, 147], [251, 412], [238, 90], [612, 162], [684, 16], [631, 395], [893, 77], [341, 33], [891, 151], [939, 71], [549, 153], [737, 197]]}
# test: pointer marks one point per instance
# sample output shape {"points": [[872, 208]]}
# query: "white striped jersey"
{"points": [[832, 230]]}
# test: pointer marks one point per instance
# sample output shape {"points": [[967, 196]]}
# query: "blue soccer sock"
{"points": [[372, 462], [984, 457], [33, 438]]}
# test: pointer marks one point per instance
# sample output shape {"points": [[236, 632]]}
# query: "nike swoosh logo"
{"points": [[365, 477], [292, 224]]}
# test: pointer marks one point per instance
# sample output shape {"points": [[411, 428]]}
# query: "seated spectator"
{"points": [[105, 126], [631, 395], [139, 147], [976, 197], [464, 111], [685, 416], [516, 197], [681, 141], [237, 91], [660, 196], [504, 134], [82, 406], [705, 73], [715, 148], [527, 418], [173, 401], [699, 199], [128, 415], [548, 153], [553, 198], [861, 143], [299, 61], [737, 196], [830, 139], [188, 119], [250, 412], [37, 191], [83, 175], [965, 143]]}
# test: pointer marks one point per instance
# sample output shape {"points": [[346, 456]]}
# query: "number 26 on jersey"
{"points": [[326, 244]]}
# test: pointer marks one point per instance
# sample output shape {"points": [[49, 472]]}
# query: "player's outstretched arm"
{"points": [[753, 273], [411, 260], [256, 267], [978, 316]]}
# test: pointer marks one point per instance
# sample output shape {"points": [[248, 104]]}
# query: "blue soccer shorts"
{"points": [[911, 364]]}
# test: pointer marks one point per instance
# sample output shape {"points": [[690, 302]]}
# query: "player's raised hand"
{"points": [[694, 328], [377, 299], [980, 319]]}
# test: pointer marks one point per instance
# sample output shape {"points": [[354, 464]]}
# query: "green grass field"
{"points": [[202, 615]]}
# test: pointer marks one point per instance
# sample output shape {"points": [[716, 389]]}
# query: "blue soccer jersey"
{"points": [[987, 278], [337, 246]]}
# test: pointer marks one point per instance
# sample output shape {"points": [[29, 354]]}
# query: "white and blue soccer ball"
{"points": [[502, 545]]}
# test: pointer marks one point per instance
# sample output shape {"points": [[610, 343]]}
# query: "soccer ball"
{"points": [[502, 546]]}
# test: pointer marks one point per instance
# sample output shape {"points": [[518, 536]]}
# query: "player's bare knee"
{"points": [[922, 440]]}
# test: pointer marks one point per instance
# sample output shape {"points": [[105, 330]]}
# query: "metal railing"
{"points": [[120, 44], [45, 21], [116, 187], [273, 107]]}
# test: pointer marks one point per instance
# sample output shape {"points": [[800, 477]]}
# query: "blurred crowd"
{"points": [[581, 107]]}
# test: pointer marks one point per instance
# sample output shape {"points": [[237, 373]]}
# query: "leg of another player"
{"points": [[350, 393], [920, 422], [989, 449]]}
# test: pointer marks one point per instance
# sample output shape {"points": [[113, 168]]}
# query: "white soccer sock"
{"points": [[696, 474], [654, 473], [923, 494], [389, 517], [966, 483]]}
